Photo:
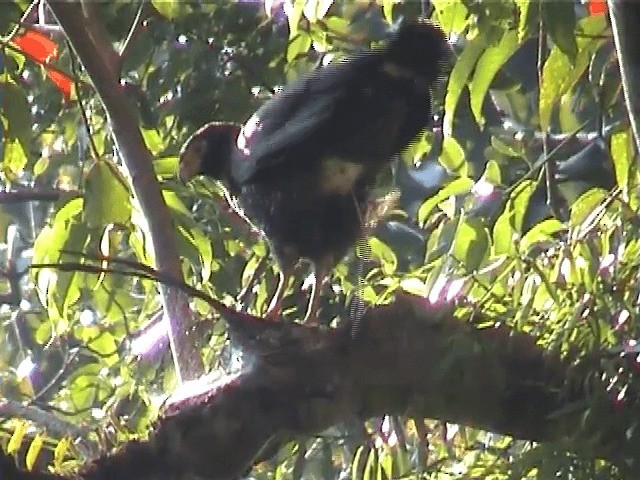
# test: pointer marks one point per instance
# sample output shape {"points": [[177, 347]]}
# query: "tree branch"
{"points": [[88, 38], [409, 359]]}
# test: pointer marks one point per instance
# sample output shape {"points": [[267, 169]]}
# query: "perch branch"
{"points": [[409, 359]]}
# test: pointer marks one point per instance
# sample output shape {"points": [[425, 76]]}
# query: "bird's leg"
{"points": [[311, 317], [275, 307]]}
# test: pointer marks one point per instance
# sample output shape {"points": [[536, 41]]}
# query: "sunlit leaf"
{"points": [[294, 17], [471, 244], [385, 255], [34, 451], [459, 78], [15, 442], [14, 158], [171, 9], [560, 21], [622, 156], [542, 232], [493, 58], [299, 45], [316, 9], [584, 205], [559, 73], [108, 199], [458, 186], [60, 452], [452, 156]]}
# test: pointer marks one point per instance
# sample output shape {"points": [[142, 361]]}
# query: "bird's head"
{"points": [[421, 47], [208, 151]]}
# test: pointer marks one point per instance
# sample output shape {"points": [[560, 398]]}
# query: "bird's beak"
{"points": [[190, 163]]}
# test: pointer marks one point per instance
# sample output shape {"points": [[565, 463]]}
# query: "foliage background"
{"points": [[478, 220]]}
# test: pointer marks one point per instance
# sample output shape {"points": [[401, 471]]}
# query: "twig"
{"points": [[553, 154], [83, 112], [36, 195], [556, 203], [133, 31]]}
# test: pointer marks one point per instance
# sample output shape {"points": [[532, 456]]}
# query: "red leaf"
{"points": [[37, 45], [597, 7], [64, 83]]}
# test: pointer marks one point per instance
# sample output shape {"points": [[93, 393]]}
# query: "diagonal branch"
{"points": [[89, 40]]}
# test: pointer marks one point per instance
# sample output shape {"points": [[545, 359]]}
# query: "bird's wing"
{"points": [[301, 114]]}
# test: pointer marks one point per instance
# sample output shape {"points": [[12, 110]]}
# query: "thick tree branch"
{"points": [[625, 24], [88, 38], [408, 360]]}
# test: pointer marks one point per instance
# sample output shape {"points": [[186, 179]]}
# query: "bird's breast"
{"points": [[338, 177]]}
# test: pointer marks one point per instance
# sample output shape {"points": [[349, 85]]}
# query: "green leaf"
{"points": [[299, 45], [560, 21], [166, 167], [359, 462], [40, 166], [555, 73], [107, 198], [82, 387], [454, 16], [492, 173], [452, 156], [17, 112], [33, 451], [60, 452], [294, 17], [471, 244], [15, 442], [66, 291], [414, 286], [459, 78], [458, 186], [585, 204], [153, 140], [509, 223], [372, 467], [315, 10], [14, 158], [387, 10], [559, 74], [523, 15], [384, 254], [171, 9], [622, 155], [487, 66], [542, 232]]}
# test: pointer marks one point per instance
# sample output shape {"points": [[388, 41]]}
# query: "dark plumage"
{"points": [[303, 165]]}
